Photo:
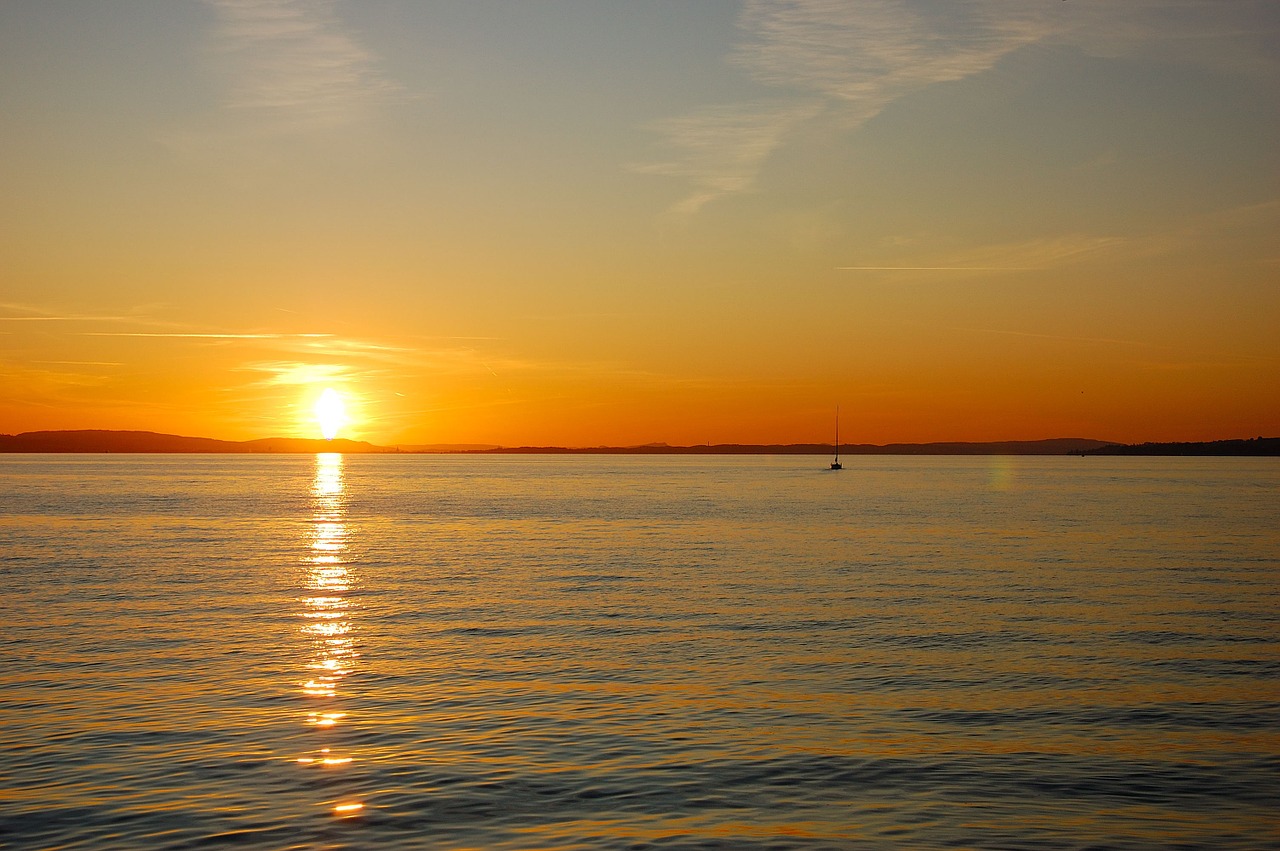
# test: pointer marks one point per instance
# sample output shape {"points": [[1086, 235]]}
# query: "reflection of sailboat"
{"points": [[835, 465]]}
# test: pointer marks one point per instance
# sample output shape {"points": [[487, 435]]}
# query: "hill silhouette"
{"points": [[1051, 446], [1251, 447], [100, 440], [147, 442]]}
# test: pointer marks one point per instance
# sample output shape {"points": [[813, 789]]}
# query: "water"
{"points": [[618, 652]]}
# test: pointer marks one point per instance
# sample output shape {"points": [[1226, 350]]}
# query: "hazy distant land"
{"points": [[99, 440], [1053, 446], [1254, 446]]}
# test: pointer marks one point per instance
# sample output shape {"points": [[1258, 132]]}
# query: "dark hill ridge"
{"points": [[1052, 446], [98, 440], [1269, 446]]}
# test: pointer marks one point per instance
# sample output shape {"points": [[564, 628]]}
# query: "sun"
{"points": [[331, 413]]}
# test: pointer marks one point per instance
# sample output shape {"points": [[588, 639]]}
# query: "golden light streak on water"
{"points": [[326, 611], [325, 719], [324, 759]]}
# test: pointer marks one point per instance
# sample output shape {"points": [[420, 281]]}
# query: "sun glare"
{"points": [[331, 413]]}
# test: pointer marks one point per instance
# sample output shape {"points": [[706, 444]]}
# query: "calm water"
{"points": [[615, 652]]}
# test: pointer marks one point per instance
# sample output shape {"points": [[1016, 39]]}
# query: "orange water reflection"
{"points": [[326, 610]]}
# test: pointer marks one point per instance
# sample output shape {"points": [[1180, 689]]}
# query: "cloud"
{"points": [[1235, 37], [303, 360], [307, 349], [364, 348], [1025, 255], [292, 373], [36, 313], [1043, 253], [80, 362], [201, 335], [850, 60], [1066, 338], [934, 268], [292, 66], [722, 149], [48, 384], [865, 55], [1215, 230]]}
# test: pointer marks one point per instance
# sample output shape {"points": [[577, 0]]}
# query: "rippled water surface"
{"points": [[621, 652]]}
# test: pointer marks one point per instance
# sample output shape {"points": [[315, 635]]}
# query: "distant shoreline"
{"points": [[1257, 446], [101, 441], [1052, 446]]}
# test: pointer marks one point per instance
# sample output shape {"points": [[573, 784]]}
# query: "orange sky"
{"points": [[581, 224]]}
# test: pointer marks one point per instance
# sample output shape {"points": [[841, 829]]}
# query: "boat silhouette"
{"points": [[835, 465]]}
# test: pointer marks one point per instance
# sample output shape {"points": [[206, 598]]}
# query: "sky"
{"points": [[587, 223]]}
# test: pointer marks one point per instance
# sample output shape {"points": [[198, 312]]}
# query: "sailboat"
{"points": [[835, 465]]}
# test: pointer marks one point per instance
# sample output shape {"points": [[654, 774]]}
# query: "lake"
{"points": [[520, 652]]}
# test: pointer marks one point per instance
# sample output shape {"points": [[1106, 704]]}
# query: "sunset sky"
{"points": [[585, 223]]}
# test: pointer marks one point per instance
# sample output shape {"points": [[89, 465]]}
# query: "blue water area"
{"points": [[535, 652]]}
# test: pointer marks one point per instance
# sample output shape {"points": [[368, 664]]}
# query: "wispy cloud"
{"points": [[201, 335], [292, 64], [1172, 357], [1026, 255], [68, 318], [1196, 233], [50, 384], [721, 150], [1042, 253], [367, 348], [865, 55], [36, 313], [1066, 338], [935, 268], [291, 373], [849, 60], [312, 355], [80, 362], [1236, 37]]}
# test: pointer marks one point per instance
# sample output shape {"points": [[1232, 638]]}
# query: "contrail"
{"points": [[198, 336], [936, 268]]}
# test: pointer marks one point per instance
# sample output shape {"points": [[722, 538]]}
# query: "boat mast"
{"points": [[837, 432]]}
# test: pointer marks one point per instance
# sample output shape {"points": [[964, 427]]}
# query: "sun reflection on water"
{"points": [[326, 612]]}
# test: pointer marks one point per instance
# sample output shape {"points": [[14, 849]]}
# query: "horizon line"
{"points": [[15, 444]]}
